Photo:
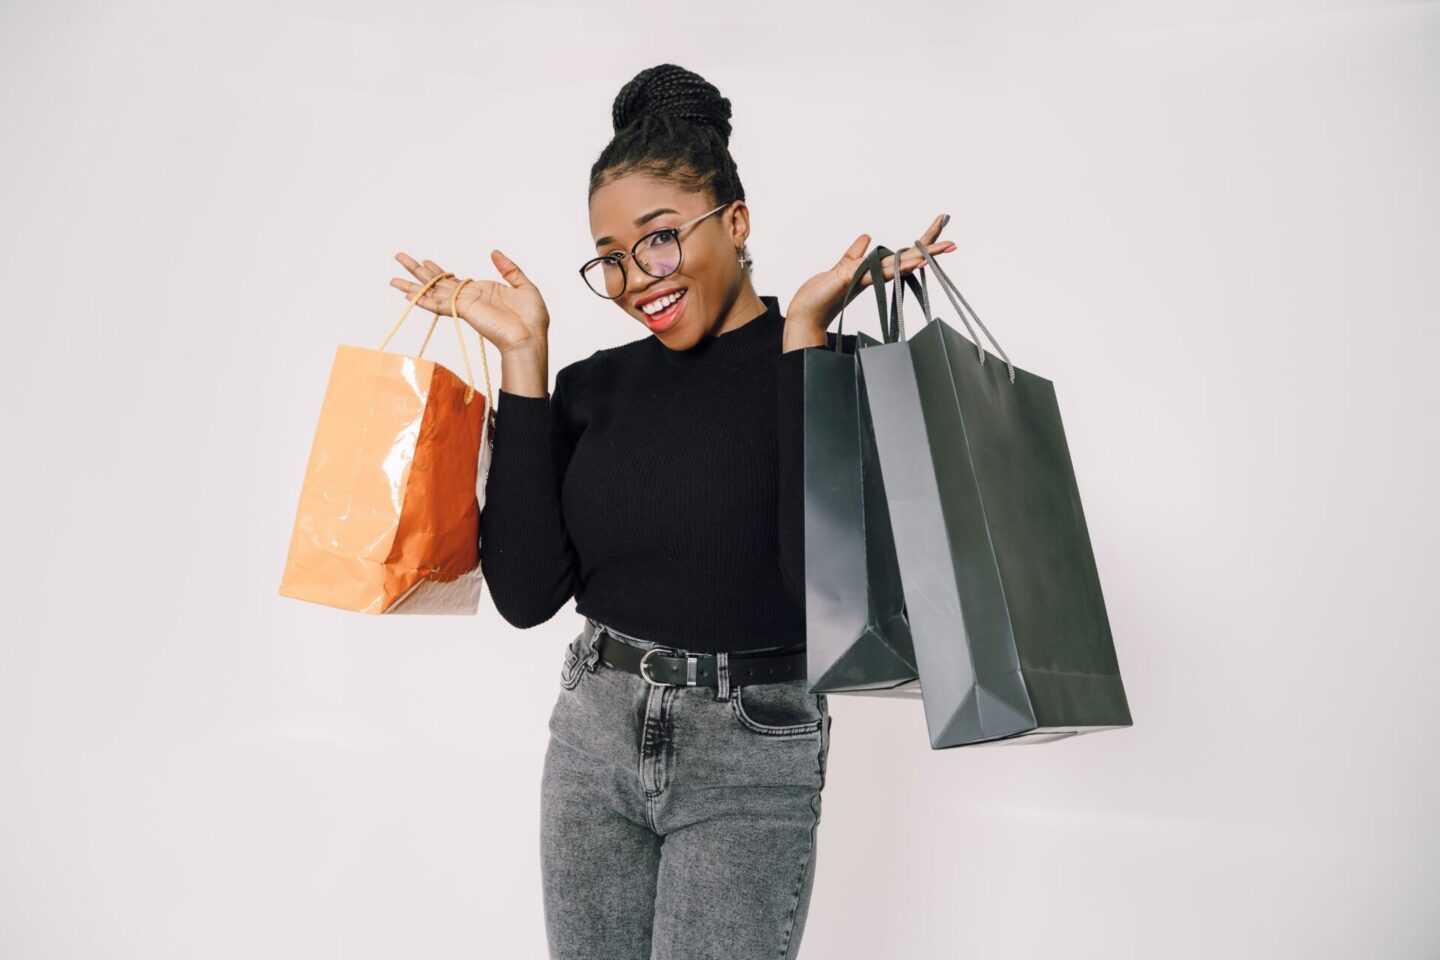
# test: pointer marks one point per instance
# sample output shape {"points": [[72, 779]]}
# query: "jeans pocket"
{"points": [[784, 709], [573, 668]]}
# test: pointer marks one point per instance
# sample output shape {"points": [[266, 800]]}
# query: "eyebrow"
{"points": [[640, 221]]}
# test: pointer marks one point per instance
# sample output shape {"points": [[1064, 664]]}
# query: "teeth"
{"points": [[655, 306]]}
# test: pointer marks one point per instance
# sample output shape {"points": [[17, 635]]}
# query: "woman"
{"points": [[659, 485]]}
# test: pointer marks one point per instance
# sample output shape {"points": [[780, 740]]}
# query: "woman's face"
{"points": [[709, 278]]}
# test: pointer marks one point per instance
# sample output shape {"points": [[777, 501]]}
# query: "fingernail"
{"points": [[946, 220]]}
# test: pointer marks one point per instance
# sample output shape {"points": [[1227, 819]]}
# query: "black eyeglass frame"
{"points": [[618, 258]]}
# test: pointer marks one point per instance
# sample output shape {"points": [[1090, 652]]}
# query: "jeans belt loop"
{"points": [[722, 675], [592, 659]]}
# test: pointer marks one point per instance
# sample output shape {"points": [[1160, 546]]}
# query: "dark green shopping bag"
{"points": [[1004, 603], [857, 637]]}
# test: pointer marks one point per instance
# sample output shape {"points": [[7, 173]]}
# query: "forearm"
{"points": [[525, 371], [525, 553], [525, 550]]}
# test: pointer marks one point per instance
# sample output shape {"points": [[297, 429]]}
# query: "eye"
{"points": [[660, 238]]}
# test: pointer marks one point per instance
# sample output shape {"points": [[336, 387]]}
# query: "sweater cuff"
{"points": [[521, 408], [790, 386]]}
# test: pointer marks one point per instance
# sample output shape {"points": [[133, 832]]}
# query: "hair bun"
{"points": [[670, 91]]}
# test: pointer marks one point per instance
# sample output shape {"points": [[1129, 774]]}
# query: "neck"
{"points": [[750, 326], [747, 307]]}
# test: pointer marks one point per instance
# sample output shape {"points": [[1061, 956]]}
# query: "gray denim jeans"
{"points": [[678, 823]]}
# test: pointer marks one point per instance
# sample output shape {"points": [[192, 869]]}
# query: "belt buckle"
{"points": [[690, 662]]}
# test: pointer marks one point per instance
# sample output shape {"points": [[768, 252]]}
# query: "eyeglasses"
{"points": [[657, 253]]}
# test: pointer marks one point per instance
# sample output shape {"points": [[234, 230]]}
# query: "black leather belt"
{"points": [[662, 667]]}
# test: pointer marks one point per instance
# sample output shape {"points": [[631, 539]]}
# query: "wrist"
{"points": [[524, 370], [525, 348], [800, 333]]}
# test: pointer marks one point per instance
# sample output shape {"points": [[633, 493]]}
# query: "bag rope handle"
{"points": [[455, 315], [952, 292], [892, 329], [897, 297], [484, 359]]}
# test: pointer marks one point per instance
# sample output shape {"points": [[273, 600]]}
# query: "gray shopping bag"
{"points": [[1011, 636], [857, 637]]}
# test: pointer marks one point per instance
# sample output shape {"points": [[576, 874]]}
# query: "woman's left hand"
{"points": [[819, 301]]}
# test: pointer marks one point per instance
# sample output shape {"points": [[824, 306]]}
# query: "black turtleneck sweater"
{"points": [[662, 489]]}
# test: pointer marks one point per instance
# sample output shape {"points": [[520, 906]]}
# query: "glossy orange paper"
{"points": [[389, 512]]}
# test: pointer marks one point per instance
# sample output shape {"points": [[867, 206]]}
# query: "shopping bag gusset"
{"points": [[857, 637]]}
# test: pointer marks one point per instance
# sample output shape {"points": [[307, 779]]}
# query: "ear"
{"points": [[737, 218]]}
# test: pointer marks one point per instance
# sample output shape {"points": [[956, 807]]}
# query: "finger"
{"points": [[440, 290], [434, 300], [426, 272], [910, 258], [443, 290], [850, 261], [856, 250], [510, 271], [933, 231], [410, 289], [914, 258], [887, 265], [929, 238], [852, 256], [419, 271]]}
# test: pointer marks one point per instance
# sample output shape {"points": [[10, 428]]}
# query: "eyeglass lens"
{"points": [[658, 255]]}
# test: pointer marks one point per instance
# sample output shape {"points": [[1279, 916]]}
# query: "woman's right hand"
{"points": [[511, 315]]}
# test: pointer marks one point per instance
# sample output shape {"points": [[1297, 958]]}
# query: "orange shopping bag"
{"points": [[389, 514]]}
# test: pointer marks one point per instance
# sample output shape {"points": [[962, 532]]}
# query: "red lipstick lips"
{"points": [[667, 317]]}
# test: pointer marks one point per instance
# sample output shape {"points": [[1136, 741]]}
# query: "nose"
{"points": [[640, 274]]}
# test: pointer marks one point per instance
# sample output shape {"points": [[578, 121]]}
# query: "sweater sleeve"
{"points": [[790, 466], [526, 555]]}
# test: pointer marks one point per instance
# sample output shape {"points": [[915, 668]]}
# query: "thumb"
{"points": [[510, 271], [856, 250]]}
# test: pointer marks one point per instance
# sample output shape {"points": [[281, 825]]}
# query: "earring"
{"points": [[745, 261]]}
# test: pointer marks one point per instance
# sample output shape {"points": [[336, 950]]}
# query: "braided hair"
{"points": [[674, 125]]}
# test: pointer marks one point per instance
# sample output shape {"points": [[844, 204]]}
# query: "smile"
{"points": [[664, 311]]}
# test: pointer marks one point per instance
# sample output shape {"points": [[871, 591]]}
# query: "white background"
{"points": [[1212, 225]]}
